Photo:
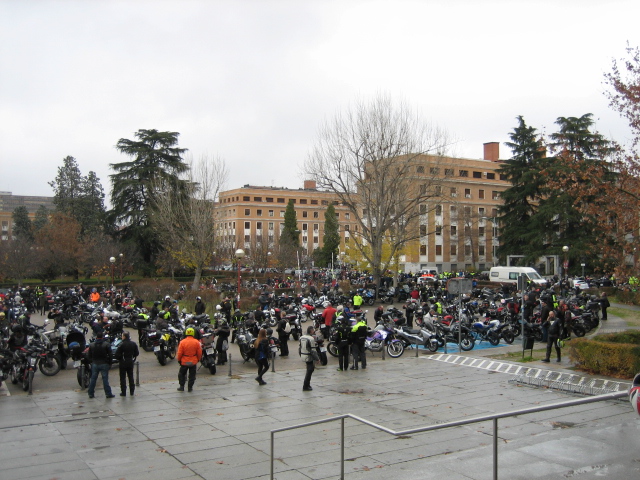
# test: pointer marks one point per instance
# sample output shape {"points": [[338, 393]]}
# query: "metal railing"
{"points": [[485, 418]]}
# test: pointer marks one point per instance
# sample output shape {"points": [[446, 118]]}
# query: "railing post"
{"points": [[273, 363], [495, 449], [272, 455], [137, 374], [82, 376], [229, 364], [342, 449]]}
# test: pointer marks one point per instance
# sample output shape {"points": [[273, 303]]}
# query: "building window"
{"points": [[259, 213], [481, 194], [481, 211], [423, 189], [315, 215], [346, 228], [481, 231], [258, 225], [481, 250], [491, 176], [463, 173], [434, 171], [246, 199], [303, 201], [495, 195], [477, 175], [453, 212], [503, 177], [247, 225], [423, 249], [423, 230], [281, 213], [337, 215], [438, 210], [438, 249], [271, 213], [269, 199], [448, 172], [467, 250], [247, 212], [305, 226], [270, 225], [247, 238], [467, 193], [494, 212], [454, 230], [467, 231], [315, 239], [467, 212], [304, 214], [257, 199], [420, 169], [438, 229], [325, 202], [454, 249], [281, 200], [346, 240], [347, 216], [314, 202], [423, 209], [454, 192], [438, 190]]}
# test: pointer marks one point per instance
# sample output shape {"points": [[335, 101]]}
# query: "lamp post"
{"points": [[121, 256], [239, 256], [113, 266], [565, 264]]}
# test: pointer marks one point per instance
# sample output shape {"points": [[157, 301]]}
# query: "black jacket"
{"points": [[100, 352], [127, 353]]}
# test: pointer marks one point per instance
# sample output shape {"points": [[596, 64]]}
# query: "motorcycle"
{"points": [[452, 334], [6, 361], [25, 365], [209, 354], [383, 336], [167, 346], [245, 340], [294, 323], [418, 337]]}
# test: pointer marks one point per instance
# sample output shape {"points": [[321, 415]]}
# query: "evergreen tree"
{"points": [[22, 227], [520, 201], [331, 240], [289, 237], [155, 167], [42, 218]]}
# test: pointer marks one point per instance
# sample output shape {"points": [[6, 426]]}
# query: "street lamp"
{"points": [[239, 256], [113, 265], [565, 264], [121, 256]]}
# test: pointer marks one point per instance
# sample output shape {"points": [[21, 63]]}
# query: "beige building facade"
{"points": [[9, 202]]}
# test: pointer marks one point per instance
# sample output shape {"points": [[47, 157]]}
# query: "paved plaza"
{"points": [[222, 429]]}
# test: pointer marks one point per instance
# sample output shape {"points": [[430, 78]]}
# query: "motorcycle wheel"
{"points": [[25, 380], [296, 336], [395, 348], [508, 337], [147, 347], [243, 353], [467, 343], [49, 366], [494, 339], [83, 381], [30, 385], [370, 302], [212, 369], [162, 360], [332, 348], [538, 335], [15, 374], [578, 330], [172, 351], [272, 322], [432, 345], [323, 358]]}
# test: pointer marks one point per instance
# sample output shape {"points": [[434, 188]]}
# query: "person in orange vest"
{"points": [[189, 354]]}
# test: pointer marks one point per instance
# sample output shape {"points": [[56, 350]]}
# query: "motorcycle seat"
{"points": [[413, 331]]}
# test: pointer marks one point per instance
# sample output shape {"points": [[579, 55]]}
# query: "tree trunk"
{"points": [[196, 278]]}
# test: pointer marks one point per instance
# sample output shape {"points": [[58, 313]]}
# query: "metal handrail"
{"points": [[484, 418]]}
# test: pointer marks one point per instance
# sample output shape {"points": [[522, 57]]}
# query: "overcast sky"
{"points": [[251, 81]]}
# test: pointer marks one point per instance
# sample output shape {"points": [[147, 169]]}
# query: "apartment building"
{"points": [[9, 202], [459, 232], [252, 218]]}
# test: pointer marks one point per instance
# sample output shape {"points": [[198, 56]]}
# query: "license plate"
{"points": [[156, 349], [209, 351], [77, 364], [323, 349]]}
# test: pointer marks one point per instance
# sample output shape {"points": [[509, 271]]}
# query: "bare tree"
{"points": [[383, 162], [185, 224]]}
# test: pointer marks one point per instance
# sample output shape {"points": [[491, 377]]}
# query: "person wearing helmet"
{"points": [[236, 321], [189, 354], [153, 313], [377, 315], [410, 307], [358, 336], [200, 306], [167, 302], [18, 338], [284, 329]]}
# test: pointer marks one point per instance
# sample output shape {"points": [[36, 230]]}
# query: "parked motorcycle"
{"points": [[209, 354], [25, 365]]}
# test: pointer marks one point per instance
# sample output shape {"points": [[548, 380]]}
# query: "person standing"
{"points": [[358, 337], [100, 357], [222, 342], [200, 306], [604, 304], [126, 354], [342, 344], [263, 352], [556, 326], [357, 301], [189, 354], [283, 329], [307, 348], [328, 315]]}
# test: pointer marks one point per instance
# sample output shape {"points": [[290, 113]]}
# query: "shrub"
{"points": [[613, 354]]}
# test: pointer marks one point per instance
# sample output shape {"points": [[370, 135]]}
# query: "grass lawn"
{"points": [[630, 316]]}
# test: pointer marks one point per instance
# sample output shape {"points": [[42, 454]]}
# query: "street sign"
{"points": [[459, 286]]}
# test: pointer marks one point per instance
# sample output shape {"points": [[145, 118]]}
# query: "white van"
{"points": [[511, 274]]}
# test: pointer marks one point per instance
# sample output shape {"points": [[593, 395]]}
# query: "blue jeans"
{"points": [[95, 370]]}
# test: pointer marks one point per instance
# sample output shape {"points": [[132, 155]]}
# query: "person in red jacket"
{"points": [[328, 316], [189, 354]]}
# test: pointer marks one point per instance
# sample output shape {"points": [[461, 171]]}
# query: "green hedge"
{"points": [[612, 354]]}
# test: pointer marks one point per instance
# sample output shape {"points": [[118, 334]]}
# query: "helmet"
{"points": [[340, 308], [156, 303], [198, 299], [269, 332], [277, 310], [167, 297], [144, 310], [190, 331], [175, 301], [218, 307]]}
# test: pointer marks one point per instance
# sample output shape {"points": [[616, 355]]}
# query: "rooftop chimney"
{"points": [[309, 184], [492, 151]]}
